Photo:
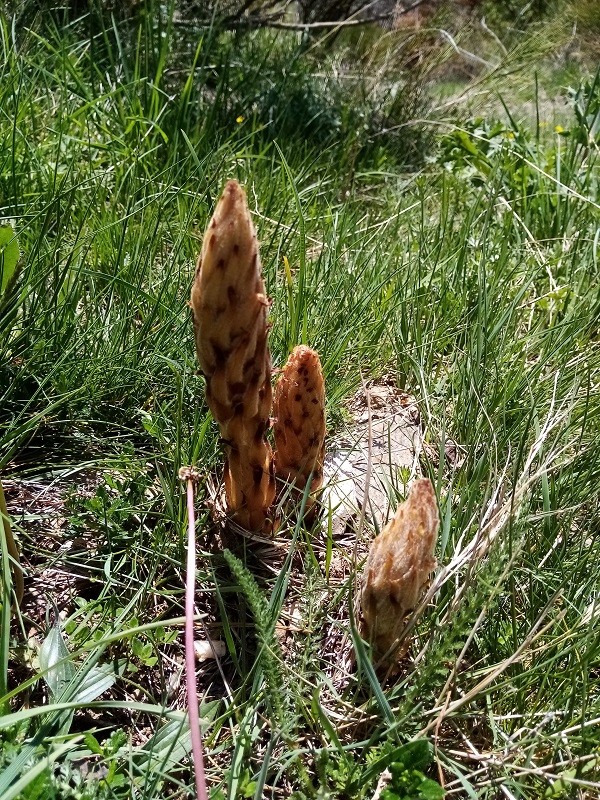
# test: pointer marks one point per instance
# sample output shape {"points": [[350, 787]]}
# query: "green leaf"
{"points": [[55, 662], [168, 746], [415, 755], [97, 681], [326, 725], [430, 790], [9, 256], [150, 425], [93, 744], [467, 143], [21, 716]]}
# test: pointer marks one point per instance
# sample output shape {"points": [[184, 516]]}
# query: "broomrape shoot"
{"points": [[414, 230]]}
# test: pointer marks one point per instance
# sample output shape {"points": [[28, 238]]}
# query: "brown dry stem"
{"points": [[299, 427], [398, 567], [230, 309]]}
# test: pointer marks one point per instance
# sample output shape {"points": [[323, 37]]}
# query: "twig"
{"points": [[190, 476]]}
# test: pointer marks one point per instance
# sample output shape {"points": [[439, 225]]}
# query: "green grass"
{"points": [[473, 281]]}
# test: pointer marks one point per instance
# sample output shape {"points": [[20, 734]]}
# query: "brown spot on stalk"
{"points": [[237, 388], [221, 354]]}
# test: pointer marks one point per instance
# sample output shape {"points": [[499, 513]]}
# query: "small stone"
{"points": [[204, 650]]}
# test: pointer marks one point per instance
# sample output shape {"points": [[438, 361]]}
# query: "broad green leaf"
{"points": [[55, 662], [9, 256], [97, 681], [171, 743], [168, 746]]}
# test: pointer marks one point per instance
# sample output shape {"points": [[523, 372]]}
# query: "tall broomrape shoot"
{"points": [[299, 427], [230, 309], [398, 567]]}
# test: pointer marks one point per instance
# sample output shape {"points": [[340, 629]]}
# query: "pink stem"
{"points": [[190, 657]]}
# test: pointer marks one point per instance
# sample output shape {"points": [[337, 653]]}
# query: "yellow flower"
{"points": [[239, 119], [558, 129]]}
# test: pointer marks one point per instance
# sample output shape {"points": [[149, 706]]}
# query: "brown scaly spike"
{"points": [[230, 310], [299, 427], [400, 561]]}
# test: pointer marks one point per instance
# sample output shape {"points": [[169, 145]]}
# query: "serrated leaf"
{"points": [[9, 256], [55, 662]]}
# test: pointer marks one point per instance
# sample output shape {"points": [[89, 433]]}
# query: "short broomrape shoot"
{"points": [[398, 567], [230, 309], [299, 427]]}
